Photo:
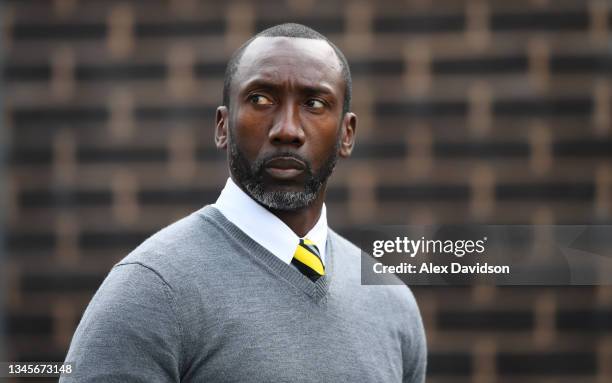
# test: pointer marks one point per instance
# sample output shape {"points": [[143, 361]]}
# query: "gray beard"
{"points": [[281, 200], [250, 178]]}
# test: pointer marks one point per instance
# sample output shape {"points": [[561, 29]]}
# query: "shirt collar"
{"points": [[264, 227]]}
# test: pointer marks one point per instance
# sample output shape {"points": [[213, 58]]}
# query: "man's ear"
{"points": [[347, 141], [221, 124]]}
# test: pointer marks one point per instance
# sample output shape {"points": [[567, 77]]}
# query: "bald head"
{"points": [[284, 32]]}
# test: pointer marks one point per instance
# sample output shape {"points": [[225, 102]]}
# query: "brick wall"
{"points": [[470, 111]]}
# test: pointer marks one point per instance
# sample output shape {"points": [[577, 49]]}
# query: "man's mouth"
{"points": [[284, 168]]}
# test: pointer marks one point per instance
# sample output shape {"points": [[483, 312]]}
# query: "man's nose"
{"points": [[287, 129]]}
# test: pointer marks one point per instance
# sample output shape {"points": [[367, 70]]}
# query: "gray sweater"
{"points": [[200, 301]]}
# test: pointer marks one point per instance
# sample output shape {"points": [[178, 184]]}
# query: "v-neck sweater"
{"points": [[200, 301]]}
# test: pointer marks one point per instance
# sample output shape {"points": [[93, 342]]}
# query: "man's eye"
{"points": [[258, 99], [314, 103]]}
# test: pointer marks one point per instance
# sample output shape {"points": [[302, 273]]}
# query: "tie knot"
{"points": [[307, 259], [311, 246]]}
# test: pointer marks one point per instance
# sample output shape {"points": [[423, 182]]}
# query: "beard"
{"points": [[250, 176]]}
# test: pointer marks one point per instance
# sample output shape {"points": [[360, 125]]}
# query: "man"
{"points": [[257, 288]]}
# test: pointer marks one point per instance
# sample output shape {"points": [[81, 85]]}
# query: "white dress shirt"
{"points": [[264, 227]]}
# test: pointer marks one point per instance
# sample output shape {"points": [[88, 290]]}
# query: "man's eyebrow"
{"points": [[318, 89], [269, 84], [260, 83]]}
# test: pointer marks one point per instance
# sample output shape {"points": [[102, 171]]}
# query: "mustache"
{"points": [[259, 164]]}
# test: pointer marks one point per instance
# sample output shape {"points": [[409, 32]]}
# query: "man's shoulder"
{"points": [[170, 237], [178, 246]]}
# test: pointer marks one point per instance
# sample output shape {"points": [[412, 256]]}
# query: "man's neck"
{"points": [[301, 221]]}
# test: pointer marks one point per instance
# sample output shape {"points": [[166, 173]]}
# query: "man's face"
{"points": [[285, 128]]}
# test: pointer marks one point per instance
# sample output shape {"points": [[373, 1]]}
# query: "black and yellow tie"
{"points": [[307, 259]]}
